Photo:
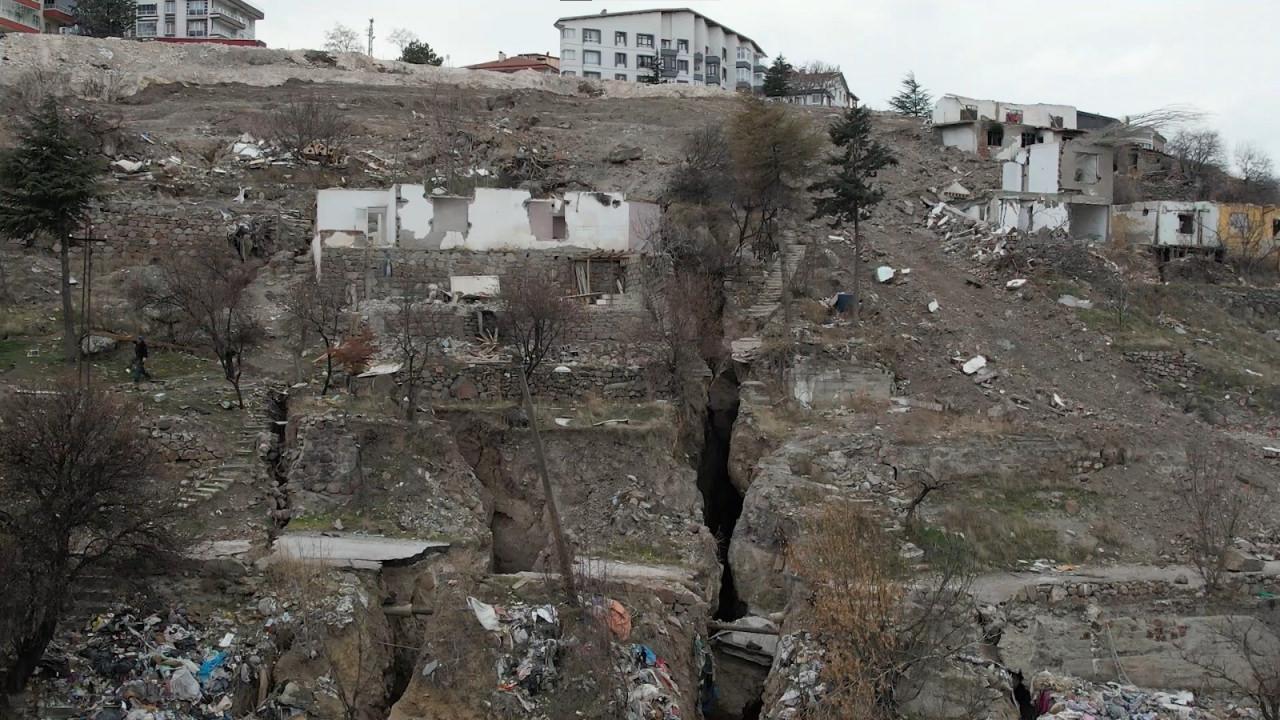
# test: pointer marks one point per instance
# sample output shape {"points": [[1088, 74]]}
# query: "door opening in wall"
{"points": [[1186, 223]]}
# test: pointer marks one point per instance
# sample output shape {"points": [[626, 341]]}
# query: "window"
{"points": [[568, 73], [591, 36], [724, 74], [620, 38], [1029, 138], [374, 218], [568, 34], [682, 46], [644, 61], [169, 29], [147, 10], [1240, 222], [590, 57], [619, 59], [643, 40], [1275, 229], [197, 28], [666, 44], [569, 55], [170, 7], [682, 66], [147, 29], [591, 75], [995, 136], [197, 7], [1087, 168], [724, 54], [743, 54], [697, 64], [1186, 223], [619, 76]]}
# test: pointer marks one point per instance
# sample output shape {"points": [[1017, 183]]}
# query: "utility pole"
{"points": [[370, 37]]}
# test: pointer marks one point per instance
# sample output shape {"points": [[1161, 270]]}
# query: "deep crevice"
{"points": [[721, 501]]}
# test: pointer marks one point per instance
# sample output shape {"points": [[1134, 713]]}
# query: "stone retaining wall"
{"points": [[499, 383], [1165, 365]]}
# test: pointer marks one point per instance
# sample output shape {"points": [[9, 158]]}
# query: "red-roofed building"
{"points": [[538, 62]]}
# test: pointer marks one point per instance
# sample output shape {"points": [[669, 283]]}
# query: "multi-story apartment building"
{"points": [[685, 46], [229, 22], [20, 16]]}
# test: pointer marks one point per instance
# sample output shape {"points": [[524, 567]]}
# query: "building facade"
{"points": [[684, 46], [230, 22], [21, 16], [825, 89], [987, 127]]}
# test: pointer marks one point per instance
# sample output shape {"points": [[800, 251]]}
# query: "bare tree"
{"points": [[79, 479], [1212, 495], [411, 338], [315, 307], [311, 129], [208, 288], [537, 315], [879, 625], [1256, 674], [341, 39], [923, 482], [401, 37], [1257, 174], [1199, 153]]}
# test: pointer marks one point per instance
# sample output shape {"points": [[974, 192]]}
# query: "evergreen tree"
{"points": [[777, 76], [851, 192], [47, 184], [106, 18], [420, 53], [654, 76], [913, 100]]}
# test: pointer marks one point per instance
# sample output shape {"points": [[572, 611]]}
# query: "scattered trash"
{"points": [[1251, 372], [1072, 301], [1058, 402], [884, 273], [974, 365], [934, 306], [127, 166], [1015, 284]]}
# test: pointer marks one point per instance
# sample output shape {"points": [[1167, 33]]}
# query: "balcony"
{"points": [[222, 15], [61, 11], [744, 64]]}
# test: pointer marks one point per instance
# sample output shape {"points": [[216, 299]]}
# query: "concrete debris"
{"points": [[956, 191], [934, 306], [360, 552], [1072, 301], [97, 344], [884, 274], [1074, 699], [799, 663], [974, 364], [1015, 284], [759, 648], [128, 166], [1058, 402], [911, 552]]}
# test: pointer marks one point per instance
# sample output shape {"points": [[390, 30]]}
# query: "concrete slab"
{"points": [[355, 551]]}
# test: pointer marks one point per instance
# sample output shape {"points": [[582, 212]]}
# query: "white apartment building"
{"points": [[686, 46], [221, 21]]}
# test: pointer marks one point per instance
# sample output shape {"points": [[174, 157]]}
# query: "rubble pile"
{"points": [[164, 666], [1073, 699], [798, 665]]}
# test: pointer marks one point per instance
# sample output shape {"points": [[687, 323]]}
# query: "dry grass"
{"points": [[923, 426]]}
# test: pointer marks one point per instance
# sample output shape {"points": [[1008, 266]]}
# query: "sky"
{"points": [[1115, 58]]}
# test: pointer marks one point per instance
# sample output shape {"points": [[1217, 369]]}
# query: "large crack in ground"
{"points": [[721, 501]]}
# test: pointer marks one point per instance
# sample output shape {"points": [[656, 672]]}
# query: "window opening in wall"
{"points": [[644, 61], [682, 66], [374, 219], [1087, 168], [682, 46], [666, 44], [1029, 138], [591, 75], [569, 55], [590, 57], [619, 59], [1239, 222], [995, 136], [643, 40], [559, 226], [591, 36], [620, 38], [1186, 223], [619, 76], [569, 34], [1275, 229], [1145, 212]]}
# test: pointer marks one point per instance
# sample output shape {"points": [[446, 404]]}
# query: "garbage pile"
{"points": [[799, 661], [163, 666], [1073, 699], [529, 635], [651, 692]]}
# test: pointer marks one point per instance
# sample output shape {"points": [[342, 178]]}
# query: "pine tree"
{"points": [[47, 184], [106, 18], [776, 77], [913, 100], [420, 53], [851, 192], [654, 76]]}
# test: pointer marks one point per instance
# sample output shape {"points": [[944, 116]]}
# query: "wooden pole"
{"points": [[562, 547]]}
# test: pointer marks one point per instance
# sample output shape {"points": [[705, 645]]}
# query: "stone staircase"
{"points": [[784, 267], [243, 458]]}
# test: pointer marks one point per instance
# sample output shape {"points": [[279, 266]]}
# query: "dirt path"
{"points": [[1003, 586]]}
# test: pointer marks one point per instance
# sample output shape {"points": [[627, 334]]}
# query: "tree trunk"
{"points": [[70, 347], [328, 366], [857, 266], [27, 653], [562, 547]]}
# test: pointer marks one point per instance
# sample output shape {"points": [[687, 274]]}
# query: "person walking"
{"points": [[140, 353]]}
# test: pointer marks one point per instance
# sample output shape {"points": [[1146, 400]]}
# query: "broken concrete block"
{"points": [[884, 273], [127, 166], [1015, 284], [985, 375], [1072, 301], [934, 306], [974, 365], [623, 154]]}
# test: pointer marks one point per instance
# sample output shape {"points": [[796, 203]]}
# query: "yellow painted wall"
{"points": [[1258, 234]]}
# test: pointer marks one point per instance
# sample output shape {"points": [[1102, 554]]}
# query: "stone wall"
{"points": [[1165, 365], [499, 383], [176, 441]]}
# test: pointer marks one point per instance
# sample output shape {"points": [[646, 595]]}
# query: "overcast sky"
{"points": [[1115, 58]]}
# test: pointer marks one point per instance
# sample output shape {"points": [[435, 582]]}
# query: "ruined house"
{"points": [[1174, 228], [986, 127], [1064, 185]]}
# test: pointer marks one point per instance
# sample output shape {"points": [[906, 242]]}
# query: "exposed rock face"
{"points": [[750, 442]]}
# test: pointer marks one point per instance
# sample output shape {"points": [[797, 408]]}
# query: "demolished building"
{"points": [[986, 127], [1178, 228]]}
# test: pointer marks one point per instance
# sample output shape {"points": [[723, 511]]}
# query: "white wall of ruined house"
{"points": [[1088, 221], [949, 107], [964, 137], [1029, 215], [342, 216], [1161, 224]]}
